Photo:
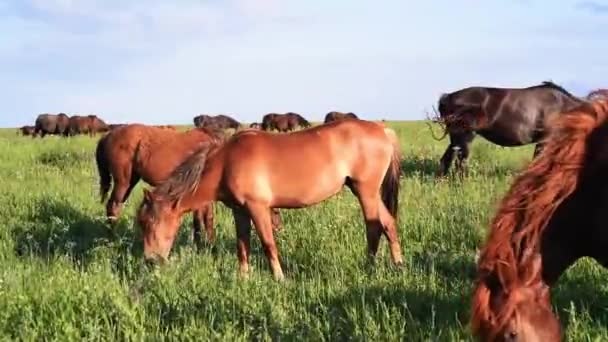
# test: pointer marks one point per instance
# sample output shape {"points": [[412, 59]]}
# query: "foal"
{"points": [[553, 215], [256, 170]]}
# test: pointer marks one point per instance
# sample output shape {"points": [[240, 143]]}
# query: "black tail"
{"points": [[390, 184], [103, 167]]}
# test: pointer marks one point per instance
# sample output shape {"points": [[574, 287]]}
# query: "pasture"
{"points": [[64, 275]]}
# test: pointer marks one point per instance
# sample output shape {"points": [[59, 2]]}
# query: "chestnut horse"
{"points": [[133, 152], [256, 170], [552, 216]]}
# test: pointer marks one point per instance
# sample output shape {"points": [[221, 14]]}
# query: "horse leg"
{"points": [[204, 214], [120, 193], [197, 218], [378, 221], [462, 145], [263, 226], [242, 222], [446, 161]]}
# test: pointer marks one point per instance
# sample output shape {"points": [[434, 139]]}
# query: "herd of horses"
{"points": [[551, 216]]}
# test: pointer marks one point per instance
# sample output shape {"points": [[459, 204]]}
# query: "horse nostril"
{"points": [[511, 336]]}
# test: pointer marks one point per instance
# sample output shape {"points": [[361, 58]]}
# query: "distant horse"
{"points": [[504, 116], [216, 122], [553, 215], [334, 116], [51, 124], [133, 152], [171, 127], [90, 124], [598, 94], [27, 130], [284, 122], [255, 170], [255, 125]]}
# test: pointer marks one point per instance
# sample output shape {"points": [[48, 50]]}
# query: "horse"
{"points": [[598, 94], [552, 215], [256, 170], [89, 124], [503, 116], [296, 120], [284, 122], [255, 125], [216, 122], [334, 116], [27, 130], [51, 124], [133, 152]]}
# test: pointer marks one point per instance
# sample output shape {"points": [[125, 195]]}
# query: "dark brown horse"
{"points": [[598, 94], [553, 215], [216, 122], [255, 125], [255, 170], [51, 124], [27, 130], [503, 116], [284, 122], [334, 116]]}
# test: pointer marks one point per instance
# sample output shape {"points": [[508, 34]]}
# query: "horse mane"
{"points": [[511, 251], [552, 85], [186, 177]]}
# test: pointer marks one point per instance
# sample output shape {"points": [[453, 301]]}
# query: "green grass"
{"points": [[65, 276]]}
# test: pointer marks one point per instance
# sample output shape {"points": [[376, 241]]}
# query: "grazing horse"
{"points": [[27, 130], [284, 122], [133, 152], [52, 124], [216, 122], [334, 116], [255, 125], [256, 170], [503, 116], [553, 214]]}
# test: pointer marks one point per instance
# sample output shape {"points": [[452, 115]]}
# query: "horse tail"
{"points": [[390, 183], [103, 167]]}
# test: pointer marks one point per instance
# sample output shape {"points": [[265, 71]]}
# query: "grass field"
{"points": [[65, 276]]}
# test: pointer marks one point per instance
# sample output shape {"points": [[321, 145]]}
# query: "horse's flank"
{"points": [[511, 250]]}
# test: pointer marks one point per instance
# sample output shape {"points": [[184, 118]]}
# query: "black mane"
{"points": [[549, 84]]}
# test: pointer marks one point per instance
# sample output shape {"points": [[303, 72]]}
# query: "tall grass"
{"points": [[65, 276]]}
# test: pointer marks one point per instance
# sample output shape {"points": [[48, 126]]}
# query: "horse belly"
{"points": [[307, 188]]}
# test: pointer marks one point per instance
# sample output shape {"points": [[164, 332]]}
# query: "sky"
{"points": [[163, 62]]}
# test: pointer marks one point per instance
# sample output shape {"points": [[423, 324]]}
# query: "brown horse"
{"points": [[335, 116], [552, 216], [255, 125], [284, 122], [133, 152], [27, 130], [255, 170]]}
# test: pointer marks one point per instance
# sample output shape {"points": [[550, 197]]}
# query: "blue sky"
{"points": [[165, 61]]}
